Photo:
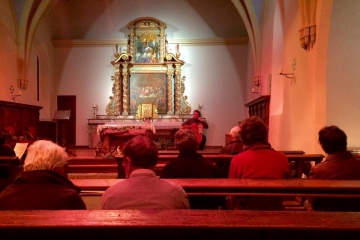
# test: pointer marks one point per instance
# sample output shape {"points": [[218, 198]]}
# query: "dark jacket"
{"points": [[41, 190], [338, 166], [234, 147], [194, 166]]}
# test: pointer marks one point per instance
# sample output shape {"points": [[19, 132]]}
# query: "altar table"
{"points": [[114, 136]]}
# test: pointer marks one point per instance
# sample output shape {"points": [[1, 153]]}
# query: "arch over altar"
{"points": [[147, 73]]}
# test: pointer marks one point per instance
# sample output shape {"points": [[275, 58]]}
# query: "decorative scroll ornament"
{"points": [[111, 106], [185, 107]]}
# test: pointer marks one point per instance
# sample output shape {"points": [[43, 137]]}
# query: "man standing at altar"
{"points": [[193, 123]]}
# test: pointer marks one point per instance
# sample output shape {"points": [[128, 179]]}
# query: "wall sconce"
{"points": [[22, 85], [287, 75], [258, 84], [257, 81], [257, 92]]}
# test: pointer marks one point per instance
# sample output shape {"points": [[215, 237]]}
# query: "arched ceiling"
{"points": [[72, 19]]}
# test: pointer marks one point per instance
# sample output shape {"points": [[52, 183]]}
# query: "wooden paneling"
{"points": [[20, 116], [260, 107]]}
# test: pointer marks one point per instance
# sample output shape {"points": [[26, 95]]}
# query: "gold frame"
{"points": [[167, 63], [146, 110]]}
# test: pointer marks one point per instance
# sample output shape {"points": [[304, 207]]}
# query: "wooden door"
{"points": [[67, 103]]}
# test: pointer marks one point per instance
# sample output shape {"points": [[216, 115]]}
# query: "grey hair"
{"points": [[42, 155], [234, 132]]}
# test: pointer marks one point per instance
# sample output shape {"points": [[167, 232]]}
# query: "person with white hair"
{"points": [[235, 146], [43, 185]]}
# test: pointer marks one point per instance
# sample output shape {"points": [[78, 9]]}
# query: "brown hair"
{"points": [[253, 130], [142, 152], [186, 141]]}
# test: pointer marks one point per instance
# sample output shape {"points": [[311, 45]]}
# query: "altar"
{"points": [[163, 129], [147, 83]]}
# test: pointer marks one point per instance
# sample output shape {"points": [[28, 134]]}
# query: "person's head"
{"points": [[253, 130], [234, 133], [139, 152], [46, 155], [186, 141], [332, 139], [196, 114]]}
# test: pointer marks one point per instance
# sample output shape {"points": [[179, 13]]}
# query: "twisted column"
{"points": [[169, 76], [177, 90], [126, 102]]}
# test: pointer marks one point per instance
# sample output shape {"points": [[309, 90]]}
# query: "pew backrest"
{"points": [[224, 160], [247, 187], [178, 224]]}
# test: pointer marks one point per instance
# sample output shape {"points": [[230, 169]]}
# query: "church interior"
{"points": [[73, 69], [233, 53]]}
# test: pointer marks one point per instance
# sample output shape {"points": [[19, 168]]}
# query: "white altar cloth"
{"points": [[136, 125], [152, 126]]}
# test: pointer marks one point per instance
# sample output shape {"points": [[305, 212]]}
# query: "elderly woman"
{"points": [[43, 185]]}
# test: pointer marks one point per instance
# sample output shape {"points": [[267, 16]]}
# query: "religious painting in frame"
{"points": [[147, 48], [148, 88]]}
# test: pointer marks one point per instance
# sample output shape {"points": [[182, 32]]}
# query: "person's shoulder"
{"points": [[239, 157]]}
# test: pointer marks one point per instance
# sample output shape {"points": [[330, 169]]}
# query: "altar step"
{"points": [[91, 165]]}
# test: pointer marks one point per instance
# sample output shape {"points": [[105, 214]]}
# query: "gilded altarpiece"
{"points": [[146, 73]]}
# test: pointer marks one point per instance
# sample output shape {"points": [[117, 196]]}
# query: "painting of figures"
{"points": [[147, 48], [148, 88]]}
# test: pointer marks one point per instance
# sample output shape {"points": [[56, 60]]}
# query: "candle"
{"points": [[20, 92], [280, 70], [252, 90], [94, 105]]}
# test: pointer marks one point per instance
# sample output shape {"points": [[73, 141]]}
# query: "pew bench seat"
{"points": [[178, 224]]}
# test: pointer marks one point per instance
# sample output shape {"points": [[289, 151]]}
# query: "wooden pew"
{"points": [[178, 224], [247, 187], [217, 150], [222, 159]]}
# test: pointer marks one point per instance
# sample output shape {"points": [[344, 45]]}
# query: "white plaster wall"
{"points": [[343, 70], [214, 77], [294, 103], [8, 66]]}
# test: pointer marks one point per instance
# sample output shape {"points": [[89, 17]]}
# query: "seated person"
{"points": [[339, 164], [257, 161], [235, 146], [43, 185], [5, 149], [190, 164], [142, 189], [194, 121]]}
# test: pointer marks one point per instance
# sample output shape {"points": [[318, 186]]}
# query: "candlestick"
{"points": [[280, 70], [95, 115]]}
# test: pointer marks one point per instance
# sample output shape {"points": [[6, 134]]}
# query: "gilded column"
{"points": [[162, 46], [126, 102], [131, 44], [117, 91], [177, 90], [169, 76]]}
